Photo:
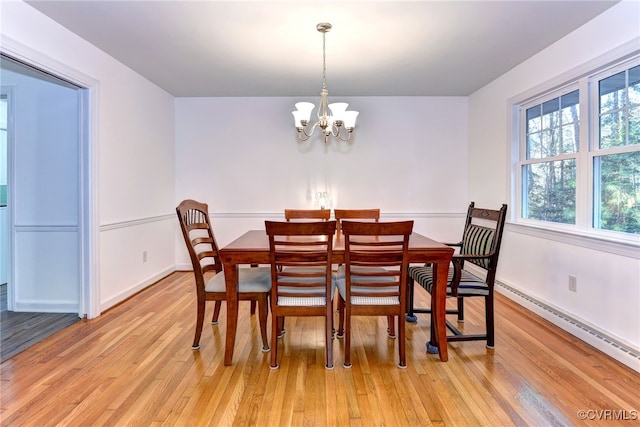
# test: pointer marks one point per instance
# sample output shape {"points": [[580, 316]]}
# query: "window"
{"points": [[578, 156], [616, 156], [549, 170]]}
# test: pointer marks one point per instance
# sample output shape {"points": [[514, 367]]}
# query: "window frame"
{"points": [[594, 130], [584, 78], [522, 159]]}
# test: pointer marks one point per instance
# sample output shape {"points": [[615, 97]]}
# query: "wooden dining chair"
{"points": [[295, 214], [362, 214], [254, 284], [340, 214], [478, 249], [376, 262], [301, 277]]}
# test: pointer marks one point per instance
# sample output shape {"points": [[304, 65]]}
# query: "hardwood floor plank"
{"points": [[134, 366]]}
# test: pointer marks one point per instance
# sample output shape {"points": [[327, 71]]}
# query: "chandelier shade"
{"points": [[333, 119]]}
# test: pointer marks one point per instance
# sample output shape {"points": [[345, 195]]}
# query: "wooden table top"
{"points": [[256, 242]]}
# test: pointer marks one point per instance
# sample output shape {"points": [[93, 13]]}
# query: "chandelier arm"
{"points": [[301, 136], [342, 138], [306, 134]]}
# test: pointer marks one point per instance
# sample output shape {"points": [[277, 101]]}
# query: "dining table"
{"points": [[253, 248]]}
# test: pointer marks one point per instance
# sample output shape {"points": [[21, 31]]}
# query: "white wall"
{"points": [[608, 294], [407, 156], [133, 135]]}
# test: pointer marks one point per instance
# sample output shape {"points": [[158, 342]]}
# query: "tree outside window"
{"points": [[549, 175], [617, 175]]}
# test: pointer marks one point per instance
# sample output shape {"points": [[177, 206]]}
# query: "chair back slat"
{"points": [[340, 214], [314, 214]]}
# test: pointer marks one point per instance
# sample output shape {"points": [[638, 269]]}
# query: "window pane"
{"points": [[533, 119], [550, 113], [550, 191], [618, 176], [634, 86], [570, 138], [619, 100], [549, 142], [570, 130], [549, 123], [634, 126], [534, 148], [570, 114], [612, 130], [612, 92], [571, 99]]}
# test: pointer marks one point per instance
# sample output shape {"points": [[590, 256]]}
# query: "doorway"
{"points": [[44, 235]]}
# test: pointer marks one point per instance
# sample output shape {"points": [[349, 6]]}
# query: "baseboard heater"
{"points": [[605, 343]]}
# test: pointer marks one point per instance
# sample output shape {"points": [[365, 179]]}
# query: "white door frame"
{"points": [[89, 304], [8, 92]]}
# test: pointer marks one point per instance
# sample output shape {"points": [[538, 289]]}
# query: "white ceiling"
{"points": [[272, 48]]}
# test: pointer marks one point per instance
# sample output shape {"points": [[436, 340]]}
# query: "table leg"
{"points": [[231, 281], [439, 308]]}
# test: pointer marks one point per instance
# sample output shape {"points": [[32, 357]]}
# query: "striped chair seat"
{"points": [[256, 279], [469, 283], [315, 286], [360, 300], [368, 300]]}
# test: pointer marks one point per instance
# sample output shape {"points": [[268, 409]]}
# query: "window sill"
{"points": [[628, 248]]}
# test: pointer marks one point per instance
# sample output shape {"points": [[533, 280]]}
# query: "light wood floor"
{"points": [[134, 366]]}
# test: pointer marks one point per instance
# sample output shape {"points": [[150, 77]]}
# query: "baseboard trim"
{"points": [[128, 293], [184, 267], [624, 353], [46, 307]]}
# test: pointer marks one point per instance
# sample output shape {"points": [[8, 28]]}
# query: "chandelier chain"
{"points": [[324, 62]]}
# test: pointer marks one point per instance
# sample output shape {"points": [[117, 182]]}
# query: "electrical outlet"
{"points": [[144, 256], [573, 283]]}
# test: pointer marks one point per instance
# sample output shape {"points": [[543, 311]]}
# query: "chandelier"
{"points": [[330, 124]]}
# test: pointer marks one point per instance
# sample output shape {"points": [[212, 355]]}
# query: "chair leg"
{"points": [[340, 333], [263, 313], [410, 316], [281, 330], [391, 326], [216, 312], [253, 307], [488, 304], [328, 324], [402, 343], [432, 330], [275, 323], [460, 309], [347, 338], [199, 323]]}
